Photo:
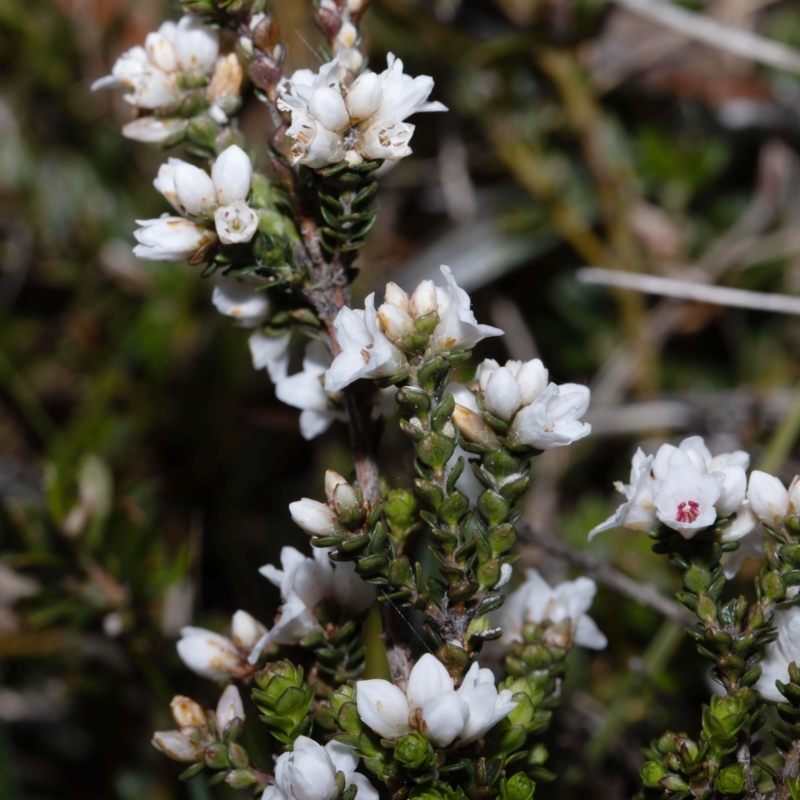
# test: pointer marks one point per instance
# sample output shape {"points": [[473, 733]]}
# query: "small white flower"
{"points": [[270, 353], [639, 512], [304, 583], [685, 498], [154, 130], [186, 712], [179, 746], [246, 630], [236, 222], [746, 529], [152, 73], [502, 395], [229, 707], [365, 350], [315, 518], [536, 601], [238, 298], [432, 706], [458, 330], [308, 772], [305, 390], [208, 654], [780, 653], [170, 239], [553, 418], [768, 498], [366, 121]]}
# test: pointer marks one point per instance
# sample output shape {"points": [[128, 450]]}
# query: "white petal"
{"points": [[503, 394], [229, 707], [383, 708], [237, 298], [196, 46], [443, 718], [429, 678], [194, 190], [232, 173], [270, 353], [153, 129], [768, 498], [236, 223]]}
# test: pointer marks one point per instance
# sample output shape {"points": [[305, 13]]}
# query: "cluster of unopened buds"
{"points": [[177, 79]]}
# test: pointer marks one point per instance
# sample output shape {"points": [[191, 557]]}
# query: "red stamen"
{"points": [[688, 512]]}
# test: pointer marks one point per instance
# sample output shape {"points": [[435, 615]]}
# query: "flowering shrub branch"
{"points": [[280, 242]]}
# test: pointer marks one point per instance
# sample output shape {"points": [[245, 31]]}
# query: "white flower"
{"points": [[315, 518], [553, 418], [170, 239], [768, 499], [731, 466], [305, 390], [246, 630], [236, 222], [308, 772], [229, 707], [180, 746], [685, 498], [432, 706], [208, 654], [270, 353], [780, 653], [238, 298], [639, 512], [304, 583], [458, 330], [365, 350], [366, 121], [152, 73], [746, 529], [154, 129], [536, 601], [368, 338]]}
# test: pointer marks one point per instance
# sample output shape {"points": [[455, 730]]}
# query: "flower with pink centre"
{"points": [[685, 498]]}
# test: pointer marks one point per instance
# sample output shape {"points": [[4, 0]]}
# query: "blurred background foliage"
{"points": [[145, 468]]}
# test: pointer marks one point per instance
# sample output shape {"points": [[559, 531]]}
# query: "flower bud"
{"points": [[178, 746], [532, 379], [170, 239], [196, 46], [186, 712], [472, 427], [226, 82], [731, 780], [424, 300], [652, 773], [414, 751], [232, 173], [768, 498], [313, 517], [328, 107], [208, 654], [246, 630], [332, 480], [794, 496], [346, 499], [520, 787], [394, 294], [485, 370], [194, 190], [395, 321], [503, 395], [363, 100], [229, 707]]}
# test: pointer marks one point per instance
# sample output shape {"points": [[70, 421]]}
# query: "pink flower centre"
{"points": [[688, 512]]}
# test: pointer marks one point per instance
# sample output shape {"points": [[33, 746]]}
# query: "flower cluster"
{"points": [[685, 488], [535, 601], [309, 772], [534, 411], [304, 584], [363, 122], [432, 706], [194, 735], [177, 75], [217, 657], [434, 320], [211, 207]]}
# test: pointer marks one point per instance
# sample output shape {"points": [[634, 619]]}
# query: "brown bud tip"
{"points": [[264, 72], [267, 34], [472, 426]]}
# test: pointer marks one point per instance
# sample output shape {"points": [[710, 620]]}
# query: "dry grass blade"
{"points": [[716, 34], [688, 290]]}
